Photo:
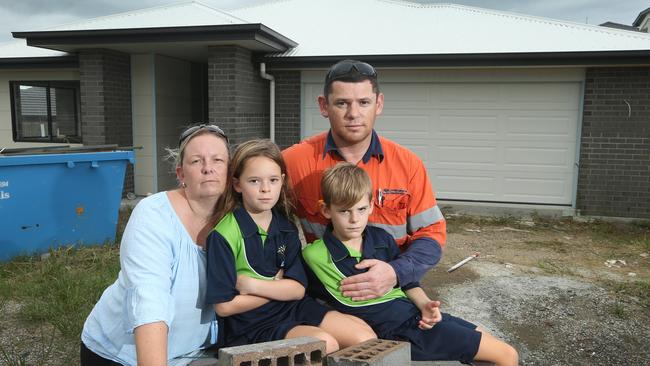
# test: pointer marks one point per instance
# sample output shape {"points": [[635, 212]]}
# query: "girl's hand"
{"points": [[246, 285], [430, 315]]}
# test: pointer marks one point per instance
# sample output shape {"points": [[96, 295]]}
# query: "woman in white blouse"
{"points": [[155, 313]]}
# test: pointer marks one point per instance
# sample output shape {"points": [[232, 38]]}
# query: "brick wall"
{"points": [[614, 174], [105, 81], [287, 107], [238, 97]]}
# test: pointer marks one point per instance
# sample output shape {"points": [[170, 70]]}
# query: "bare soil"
{"points": [[546, 287]]}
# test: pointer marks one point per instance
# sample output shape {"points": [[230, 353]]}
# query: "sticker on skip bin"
{"points": [[3, 194]]}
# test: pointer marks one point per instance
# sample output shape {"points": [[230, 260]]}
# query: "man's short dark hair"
{"points": [[350, 71]]}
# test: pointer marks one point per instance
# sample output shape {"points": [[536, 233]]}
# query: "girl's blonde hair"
{"points": [[231, 199]]}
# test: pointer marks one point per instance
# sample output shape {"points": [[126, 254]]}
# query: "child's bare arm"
{"points": [[284, 289], [429, 309], [239, 304]]}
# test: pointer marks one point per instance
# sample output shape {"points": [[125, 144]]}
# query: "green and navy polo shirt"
{"points": [[328, 261], [238, 246]]}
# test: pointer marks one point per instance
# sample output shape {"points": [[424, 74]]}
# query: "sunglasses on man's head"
{"points": [[190, 131], [345, 68]]}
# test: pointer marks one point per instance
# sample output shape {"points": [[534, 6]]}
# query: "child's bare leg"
{"points": [[347, 329], [331, 345], [495, 350]]}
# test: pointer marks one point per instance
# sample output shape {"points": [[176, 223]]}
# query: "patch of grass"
{"points": [[638, 289], [456, 223], [63, 288], [618, 310], [549, 267], [555, 245]]}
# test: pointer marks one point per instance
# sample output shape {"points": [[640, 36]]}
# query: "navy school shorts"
{"points": [[304, 312], [452, 339]]}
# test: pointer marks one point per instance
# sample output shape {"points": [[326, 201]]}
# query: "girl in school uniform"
{"points": [[255, 278]]}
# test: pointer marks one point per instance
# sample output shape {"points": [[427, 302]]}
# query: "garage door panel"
{"points": [[412, 95], [544, 94], [464, 94], [316, 122], [511, 187], [465, 186], [536, 125], [537, 190], [474, 155], [402, 123], [535, 158], [464, 123]]}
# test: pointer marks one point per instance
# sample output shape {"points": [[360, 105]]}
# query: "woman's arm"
{"points": [[151, 344], [284, 289], [146, 259]]}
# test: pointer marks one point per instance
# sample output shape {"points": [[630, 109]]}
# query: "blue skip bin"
{"points": [[51, 200]]}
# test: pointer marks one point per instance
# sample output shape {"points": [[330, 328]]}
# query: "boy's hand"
{"points": [[430, 315]]}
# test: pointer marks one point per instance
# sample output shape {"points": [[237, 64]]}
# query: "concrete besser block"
{"points": [[375, 352], [301, 351]]}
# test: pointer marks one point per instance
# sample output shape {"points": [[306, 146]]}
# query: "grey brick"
{"points": [[375, 352], [301, 351]]}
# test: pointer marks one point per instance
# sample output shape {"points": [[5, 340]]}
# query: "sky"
{"points": [[30, 15]]}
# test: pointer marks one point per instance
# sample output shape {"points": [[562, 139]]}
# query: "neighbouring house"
{"points": [[501, 107], [642, 21]]}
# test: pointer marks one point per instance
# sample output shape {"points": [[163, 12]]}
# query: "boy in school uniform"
{"points": [[404, 313]]}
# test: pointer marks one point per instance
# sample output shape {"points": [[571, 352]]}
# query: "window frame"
{"points": [[73, 85]]}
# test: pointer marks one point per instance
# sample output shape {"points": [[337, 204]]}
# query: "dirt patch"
{"points": [[563, 293]]}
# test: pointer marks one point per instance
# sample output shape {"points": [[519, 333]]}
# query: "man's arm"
{"points": [[426, 227], [421, 256]]}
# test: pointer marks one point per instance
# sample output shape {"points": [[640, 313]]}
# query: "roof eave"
{"points": [[70, 40], [57, 62], [587, 58]]}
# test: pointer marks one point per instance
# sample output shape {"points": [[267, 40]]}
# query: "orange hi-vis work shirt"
{"points": [[404, 202]]}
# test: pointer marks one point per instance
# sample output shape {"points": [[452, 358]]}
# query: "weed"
{"points": [[556, 245], [548, 267], [619, 311], [637, 289]]}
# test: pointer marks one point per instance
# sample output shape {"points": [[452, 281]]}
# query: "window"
{"points": [[45, 111]]}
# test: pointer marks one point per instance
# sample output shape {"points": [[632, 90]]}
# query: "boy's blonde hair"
{"points": [[244, 152], [344, 185]]}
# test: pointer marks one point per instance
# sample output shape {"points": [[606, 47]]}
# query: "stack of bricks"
{"points": [[302, 351]]}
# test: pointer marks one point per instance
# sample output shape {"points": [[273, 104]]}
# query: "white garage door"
{"points": [[482, 141]]}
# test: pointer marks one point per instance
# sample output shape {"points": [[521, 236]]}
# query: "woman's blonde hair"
{"points": [[244, 152], [344, 185]]}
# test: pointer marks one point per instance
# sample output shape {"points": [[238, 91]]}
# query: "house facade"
{"points": [[527, 111]]}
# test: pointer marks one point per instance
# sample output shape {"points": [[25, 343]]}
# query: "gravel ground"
{"points": [[554, 303]]}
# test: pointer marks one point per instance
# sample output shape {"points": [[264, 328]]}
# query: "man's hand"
{"points": [[379, 279], [430, 315]]}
